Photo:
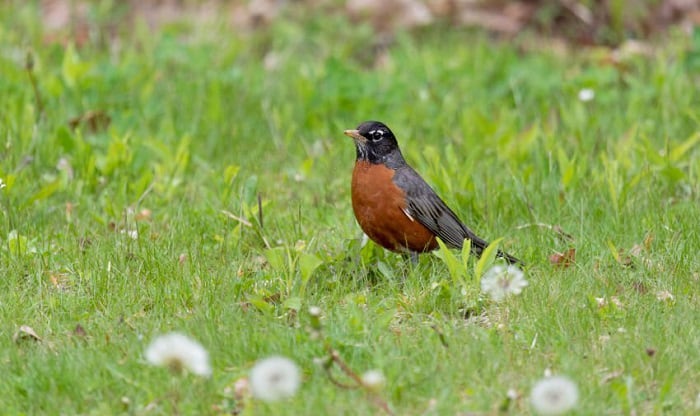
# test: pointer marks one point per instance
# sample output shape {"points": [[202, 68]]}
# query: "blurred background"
{"points": [[589, 22]]}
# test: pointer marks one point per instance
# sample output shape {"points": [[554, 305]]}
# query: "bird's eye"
{"points": [[376, 135]]}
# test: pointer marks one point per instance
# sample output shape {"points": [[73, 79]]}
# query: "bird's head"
{"points": [[374, 141]]}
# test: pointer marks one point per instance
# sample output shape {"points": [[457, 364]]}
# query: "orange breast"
{"points": [[379, 208]]}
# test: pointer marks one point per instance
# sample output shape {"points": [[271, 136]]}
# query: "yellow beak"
{"points": [[355, 134]]}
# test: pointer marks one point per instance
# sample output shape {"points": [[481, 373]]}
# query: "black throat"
{"points": [[393, 160]]}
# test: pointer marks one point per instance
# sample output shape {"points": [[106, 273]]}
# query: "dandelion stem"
{"points": [[29, 66], [337, 382], [376, 399]]}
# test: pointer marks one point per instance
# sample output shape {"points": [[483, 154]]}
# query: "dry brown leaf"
{"points": [[84, 243], [94, 120], [640, 287], [143, 215], [79, 331], [624, 259], [609, 376], [273, 298], [60, 281], [69, 209], [563, 260], [25, 332], [636, 250]]}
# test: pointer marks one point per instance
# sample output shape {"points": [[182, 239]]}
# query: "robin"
{"points": [[394, 206]]}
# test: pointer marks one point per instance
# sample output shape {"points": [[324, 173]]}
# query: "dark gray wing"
{"points": [[426, 207]]}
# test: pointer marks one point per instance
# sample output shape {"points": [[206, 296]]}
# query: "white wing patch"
{"points": [[408, 214]]}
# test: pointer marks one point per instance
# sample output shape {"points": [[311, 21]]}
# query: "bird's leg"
{"points": [[414, 257]]}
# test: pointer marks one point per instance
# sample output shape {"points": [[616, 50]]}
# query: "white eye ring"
{"points": [[376, 135]]}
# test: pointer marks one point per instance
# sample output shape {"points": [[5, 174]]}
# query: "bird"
{"points": [[395, 206]]}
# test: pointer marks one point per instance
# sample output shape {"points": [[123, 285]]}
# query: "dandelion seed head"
{"points": [[586, 94], [501, 281], [554, 396], [274, 378], [178, 352], [373, 380]]}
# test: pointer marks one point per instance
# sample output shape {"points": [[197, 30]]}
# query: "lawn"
{"points": [[196, 179]]}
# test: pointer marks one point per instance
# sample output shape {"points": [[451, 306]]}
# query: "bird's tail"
{"points": [[510, 259], [478, 246]]}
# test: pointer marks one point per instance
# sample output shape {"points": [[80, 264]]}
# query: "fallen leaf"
{"points": [[665, 295], [25, 332], [84, 243], [95, 121], [611, 376], [624, 259], [79, 331], [59, 281], [563, 260], [143, 215], [640, 287], [69, 209], [636, 250], [273, 298]]}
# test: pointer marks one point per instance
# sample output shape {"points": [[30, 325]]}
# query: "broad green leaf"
{"points": [[487, 257], [614, 251], [307, 264], [231, 172], [679, 151], [293, 302], [72, 68], [19, 244], [261, 304], [278, 259], [454, 267], [466, 252], [45, 192], [385, 270]]}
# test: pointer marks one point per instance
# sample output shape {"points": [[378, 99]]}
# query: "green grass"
{"points": [[200, 126]]}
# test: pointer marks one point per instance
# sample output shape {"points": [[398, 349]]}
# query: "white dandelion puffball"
{"points": [[501, 281], [274, 378], [554, 395], [179, 352], [586, 95], [373, 380]]}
